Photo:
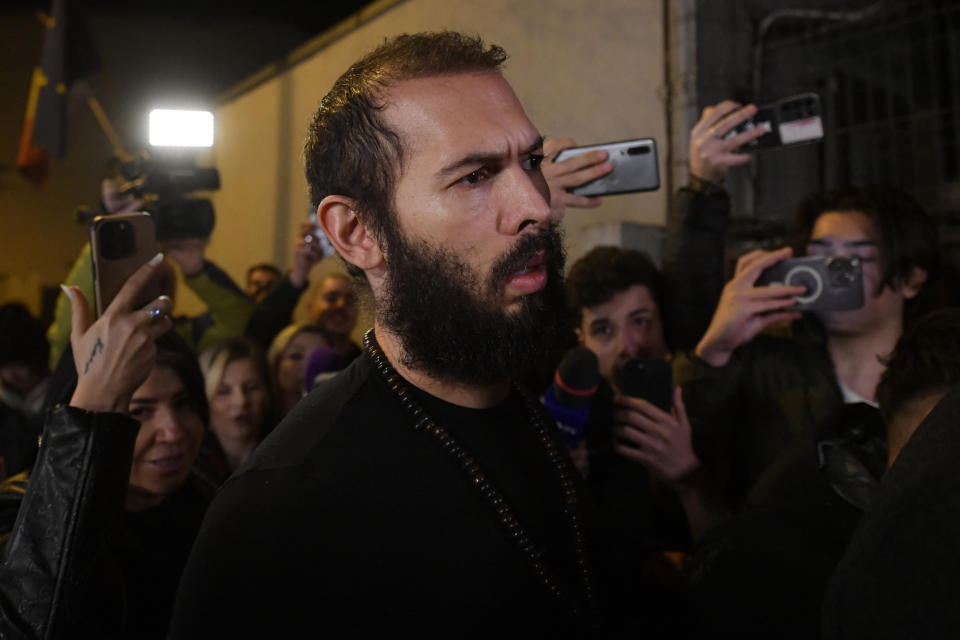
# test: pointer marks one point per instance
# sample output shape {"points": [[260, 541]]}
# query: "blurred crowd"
{"points": [[795, 479]]}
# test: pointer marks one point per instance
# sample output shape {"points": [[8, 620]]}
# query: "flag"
{"points": [[68, 54]]}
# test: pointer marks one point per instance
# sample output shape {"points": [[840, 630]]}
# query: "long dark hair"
{"points": [[175, 354]]}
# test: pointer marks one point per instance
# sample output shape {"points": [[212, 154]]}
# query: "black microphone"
{"points": [[571, 393]]}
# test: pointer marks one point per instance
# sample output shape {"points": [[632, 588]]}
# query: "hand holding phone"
{"points": [[308, 250], [634, 163], [745, 309], [661, 440], [115, 354], [119, 245], [570, 173], [786, 122], [833, 283], [712, 151]]}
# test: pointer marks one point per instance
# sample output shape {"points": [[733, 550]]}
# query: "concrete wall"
{"points": [[593, 71]]}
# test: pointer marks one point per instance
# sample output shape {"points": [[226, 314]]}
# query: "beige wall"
{"points": [[593, 71]]}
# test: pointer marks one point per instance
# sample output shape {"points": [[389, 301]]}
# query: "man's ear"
{"points": [[911, 285], [579, 333], [337, 216]]}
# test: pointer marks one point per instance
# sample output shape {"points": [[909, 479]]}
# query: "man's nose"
{"points": [[631, 345], [525, 201]]}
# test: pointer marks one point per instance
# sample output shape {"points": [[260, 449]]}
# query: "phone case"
{"points": [[635, 167], [834, 283], [119, 245], [789, 121]]}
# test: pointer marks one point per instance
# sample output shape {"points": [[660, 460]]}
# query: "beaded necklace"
{"points": [[515, 531]]}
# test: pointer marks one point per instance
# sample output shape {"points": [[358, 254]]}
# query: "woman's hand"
{"points": [[115, 354]]}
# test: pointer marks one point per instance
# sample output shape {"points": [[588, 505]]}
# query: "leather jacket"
{"points": [[55, 555]]}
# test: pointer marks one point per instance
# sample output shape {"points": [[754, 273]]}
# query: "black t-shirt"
{"points": [[348, 522], [152, 550]]}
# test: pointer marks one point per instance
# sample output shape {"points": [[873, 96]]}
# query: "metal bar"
{"points": [[953, 73], [936, 142]]}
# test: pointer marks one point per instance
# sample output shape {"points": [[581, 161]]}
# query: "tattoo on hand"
{"points": [[97, 348]]}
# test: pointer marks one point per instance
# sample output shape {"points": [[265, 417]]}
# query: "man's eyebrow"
{"points": [[143, 401], [535, 147], [641, 310], [484, 158]]}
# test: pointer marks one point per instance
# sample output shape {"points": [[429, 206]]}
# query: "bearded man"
{"points": [[419, 492]]}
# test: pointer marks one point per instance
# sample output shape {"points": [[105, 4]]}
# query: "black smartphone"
{"points": [[788, 121], [834, 283], [119, 245], [634, 167], [648, 378]]}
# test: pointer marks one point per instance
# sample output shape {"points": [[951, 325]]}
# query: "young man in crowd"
{"points": [[789, 423], [793, 386], [418, 492], [261, 280], [642, 468]]}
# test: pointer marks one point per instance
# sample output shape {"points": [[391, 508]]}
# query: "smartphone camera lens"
{"points": [[842, 271], [116, 240], [638, 150]]}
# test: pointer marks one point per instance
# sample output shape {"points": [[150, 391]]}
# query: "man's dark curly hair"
{"points": [[926, 359], [605, 271], [350, 151]]}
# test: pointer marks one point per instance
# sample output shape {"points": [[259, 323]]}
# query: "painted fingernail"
{"points": [[157, 259], [67, 291]]}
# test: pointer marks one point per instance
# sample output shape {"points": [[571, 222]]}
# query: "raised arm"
{"points": [[55, 555]]}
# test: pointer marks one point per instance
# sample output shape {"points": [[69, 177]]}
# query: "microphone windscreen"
{"points": [[577, 378], [321, 360]]}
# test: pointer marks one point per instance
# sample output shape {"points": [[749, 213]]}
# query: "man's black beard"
{"points": [[452, 333]]}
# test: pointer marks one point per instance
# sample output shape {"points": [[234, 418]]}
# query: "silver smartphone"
{"points": [[635, 167]]}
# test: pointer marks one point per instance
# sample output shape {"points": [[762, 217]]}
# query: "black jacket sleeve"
{"points": [[55, 555], [693, 263]]}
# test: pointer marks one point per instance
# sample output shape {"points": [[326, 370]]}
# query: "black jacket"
{"points": [[51, 563]]}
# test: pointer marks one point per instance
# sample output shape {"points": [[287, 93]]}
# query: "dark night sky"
{"points": [[169, 53], [185, 52]]}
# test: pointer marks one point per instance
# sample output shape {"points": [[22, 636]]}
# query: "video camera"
{"points": [[164, 188]]}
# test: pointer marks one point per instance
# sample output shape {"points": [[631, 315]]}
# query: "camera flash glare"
{"points": [[179, 128]]}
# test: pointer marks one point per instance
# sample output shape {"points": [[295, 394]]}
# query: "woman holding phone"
{"points": [[111, 506]]}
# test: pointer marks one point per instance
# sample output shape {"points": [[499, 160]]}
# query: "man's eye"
{"points": [[601, 331], [474, 177], [640, 322], [533, 162]]}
